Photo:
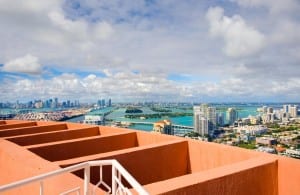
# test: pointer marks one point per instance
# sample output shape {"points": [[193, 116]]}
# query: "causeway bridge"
{"points": [[178, 129]]}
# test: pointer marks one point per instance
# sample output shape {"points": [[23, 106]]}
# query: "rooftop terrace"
{"points": [[162, 164]]}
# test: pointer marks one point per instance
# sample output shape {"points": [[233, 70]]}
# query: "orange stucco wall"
{"points": [[203, 155], [164, 164], [288, 176], [145, 138], [40, 138], [147, 164], [254, 176], [110, 130], [16, 125], [17, 163], [84, 146], [31, 130]]}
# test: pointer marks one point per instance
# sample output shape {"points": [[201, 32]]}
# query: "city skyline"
{"points": [[184, 51]]}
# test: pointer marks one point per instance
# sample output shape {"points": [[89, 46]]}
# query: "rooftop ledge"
{"points": [[162, 164]]}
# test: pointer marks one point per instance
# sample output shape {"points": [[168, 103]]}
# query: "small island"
{"points": [[133, 110]]}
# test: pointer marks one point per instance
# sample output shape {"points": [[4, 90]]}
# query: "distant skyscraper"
{"points": [[56, 102], [231, 115], [197, 114], [285, 108], [212, 119], [293, 110], [203, 126], [220, 119], [205, 119], [265, 109], [109, 103], [270, 110]]}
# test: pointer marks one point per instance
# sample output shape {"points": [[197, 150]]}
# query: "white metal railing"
{"points": [[116, 187]]}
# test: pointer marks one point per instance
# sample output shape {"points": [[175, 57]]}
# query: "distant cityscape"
{"points": [[273, 129]]}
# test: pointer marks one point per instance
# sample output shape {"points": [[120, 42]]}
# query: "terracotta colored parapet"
{"points": [[254, 176], [17, 125], [288, 176], [145, 138], [84, 146], [32, 139], [17, 163], [32, 130], [205, 155], [2, 122], [163, 164], [147, 164]]}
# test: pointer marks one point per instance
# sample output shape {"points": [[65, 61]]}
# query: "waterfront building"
{"points": [[266, 140], [109, 103], [293, 111], [197, 115], [251, 130], [94, 119], [163, 126], [246, 121], [254, 120], [268, 118], [266, 149], [220, 119], [293, 153], [231, 116], [270, 110], [204, 127], [205, 119], [285, 108], [265, 109]]}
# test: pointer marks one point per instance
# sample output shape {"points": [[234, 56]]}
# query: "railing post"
{"points": [[86, 180], [41, 187], [113, 180]]}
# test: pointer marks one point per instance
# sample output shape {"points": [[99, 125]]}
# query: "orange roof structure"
{"points": [[162, 164]]}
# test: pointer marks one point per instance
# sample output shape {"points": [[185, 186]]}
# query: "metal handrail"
{"points": [[117, 169]]}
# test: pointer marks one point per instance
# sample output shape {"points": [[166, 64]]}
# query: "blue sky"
{"points": [[234, 50]]}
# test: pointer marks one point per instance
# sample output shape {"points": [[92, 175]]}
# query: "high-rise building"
{"points": [[264, 109], [56, 102], [109, 103], [231, 115], [205, 119], [293, 110], [220, 119], [204, 127], [285, 108], [270, 110], [197, 114], [212, 119]]}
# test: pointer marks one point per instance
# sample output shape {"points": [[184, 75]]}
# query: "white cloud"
{"points": [[27, 64], [103, 30], [240, 39], [130, 86], [136, 45], [275, 6]]}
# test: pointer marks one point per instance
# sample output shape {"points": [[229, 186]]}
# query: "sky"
{"points": [[150, 50]]}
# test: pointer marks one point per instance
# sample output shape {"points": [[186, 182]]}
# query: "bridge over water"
{"points": [[178, 129]]}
